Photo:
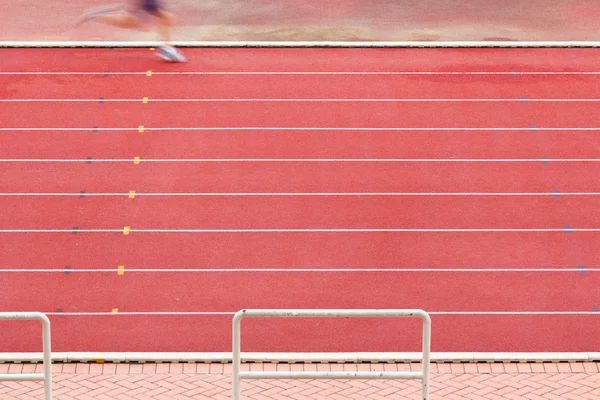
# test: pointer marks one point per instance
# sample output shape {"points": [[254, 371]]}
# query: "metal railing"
{"points": [[238, 375], [47, 375]]}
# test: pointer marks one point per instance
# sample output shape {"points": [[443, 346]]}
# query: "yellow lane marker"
{"points": [[126, 230]]}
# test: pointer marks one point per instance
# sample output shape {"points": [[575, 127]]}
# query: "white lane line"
{"points": [[124, 313], [72, 100], [324, 230], [247, 128], [298, 160], [297, 194], [251, 73], [321, 44], [306, 100], [209, 313], [301, 270], [515, 313]]}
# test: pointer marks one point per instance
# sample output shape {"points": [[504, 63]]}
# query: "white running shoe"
{"points": [[171, 54]]}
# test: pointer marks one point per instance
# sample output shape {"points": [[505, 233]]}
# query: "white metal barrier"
{"points": [[423, 375], [47, 375]]}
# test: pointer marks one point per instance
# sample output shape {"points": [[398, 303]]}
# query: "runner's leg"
{"points": [[124, 20], [165, 25]]}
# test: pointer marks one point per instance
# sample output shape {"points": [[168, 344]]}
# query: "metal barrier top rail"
{"points": [[424, 375], [47, 375]]}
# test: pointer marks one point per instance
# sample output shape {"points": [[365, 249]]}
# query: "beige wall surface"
{"points": [[337, 20]]}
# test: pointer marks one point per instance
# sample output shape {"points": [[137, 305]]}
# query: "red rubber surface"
{"points": [[442, 293]]}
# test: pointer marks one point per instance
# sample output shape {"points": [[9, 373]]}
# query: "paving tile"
{"points": [[182, 381], [497, 368], [590, 367], [82, 368], [402, 367], [457, 368], [15, 368], [149, 368], [564, 367], [28, 368], [551, 368], [176, 368], [96, 369], [577, 367], [218, 368], [524, 368], [163, 368], [511, 368], [537, 368], [189, 368], [136, 368], [484, 368], [470, 368], [122, 369], [444, 368]]}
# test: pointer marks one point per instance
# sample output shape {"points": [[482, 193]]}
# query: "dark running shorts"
{"points": [[152, 6]]}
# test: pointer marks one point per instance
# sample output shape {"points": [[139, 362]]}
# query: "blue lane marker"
{"points": [[59, 310], [568, 228], [595, 309], [106, 73], [523, 100], [514, 73], [75, 230], [555, 193], [544, 160], [101, 100], [67, 270], [94, 129], [82, 194], [581, 269], [88, 160], [532, 128]]}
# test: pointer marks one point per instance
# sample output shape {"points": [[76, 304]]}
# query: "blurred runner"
{"points": [[136, 15]]}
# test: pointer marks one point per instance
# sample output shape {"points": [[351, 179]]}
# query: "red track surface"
{"points": [[444, 294]]}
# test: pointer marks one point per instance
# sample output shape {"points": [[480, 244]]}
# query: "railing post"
{"points": [[426, 364], [46, 342], [236, 354]]}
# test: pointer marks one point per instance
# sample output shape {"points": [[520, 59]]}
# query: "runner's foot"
{"points": [[169, 53]]}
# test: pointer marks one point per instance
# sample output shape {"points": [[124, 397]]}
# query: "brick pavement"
{"points": [[183, 381]]}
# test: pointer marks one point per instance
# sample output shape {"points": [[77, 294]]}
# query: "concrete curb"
{"points": [[87, 357]]}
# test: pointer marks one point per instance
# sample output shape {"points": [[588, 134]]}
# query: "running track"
{"points": [[461, 181]]}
